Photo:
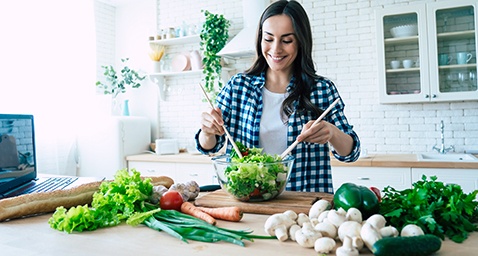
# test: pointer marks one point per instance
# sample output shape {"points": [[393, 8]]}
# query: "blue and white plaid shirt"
{"points": [[241, 104]]}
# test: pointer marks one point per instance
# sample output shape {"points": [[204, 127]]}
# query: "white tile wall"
{"points": [[344, 51]]}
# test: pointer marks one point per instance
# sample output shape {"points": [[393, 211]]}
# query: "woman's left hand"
{"points": [[320, 133]]}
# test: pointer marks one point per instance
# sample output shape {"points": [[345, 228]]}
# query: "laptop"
{"points": [[18, 165]]}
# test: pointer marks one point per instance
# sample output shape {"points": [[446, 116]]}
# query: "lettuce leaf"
{"points": [[114, 202]]}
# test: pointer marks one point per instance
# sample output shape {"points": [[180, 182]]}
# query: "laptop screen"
{"points": [[17, 151]]}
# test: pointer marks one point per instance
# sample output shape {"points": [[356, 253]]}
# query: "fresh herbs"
{"points": [[438, 208], [126, 198]]}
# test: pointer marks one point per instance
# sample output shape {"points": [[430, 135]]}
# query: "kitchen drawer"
{"points": [[380, 177], [155, 169], [466, 178], [203, 174]]}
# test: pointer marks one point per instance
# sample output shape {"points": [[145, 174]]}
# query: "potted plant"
{"points": [[214, 35], [116, 84]]}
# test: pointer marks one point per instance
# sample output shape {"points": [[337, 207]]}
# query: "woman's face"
{"points": [[279, 44]]}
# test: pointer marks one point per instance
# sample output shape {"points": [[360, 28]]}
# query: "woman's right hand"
{"points": [[212, 123]]}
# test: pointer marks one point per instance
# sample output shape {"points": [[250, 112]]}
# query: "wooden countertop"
{"points": [[378, 160], [402, 160], [33, 236]]}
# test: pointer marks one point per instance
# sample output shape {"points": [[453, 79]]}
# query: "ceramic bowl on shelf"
{"points": [[404, 30], [253, 181]]}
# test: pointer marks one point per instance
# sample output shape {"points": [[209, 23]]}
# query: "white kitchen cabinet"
{"points": [[466, 178], [380, 177], [445, 27], [203, 174]]}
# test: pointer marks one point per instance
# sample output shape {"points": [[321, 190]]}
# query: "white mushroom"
{"points": [[318, 207], [292, 231], [327, 229], [377, 221], [302, 218], [291, 214], [314, 221], [369, 235], [351, 229], [354, 214], [336, 217], [278, 225], [324, 245], [323, 216], [347, 249], [411, 230], [389, 231], [307, 235]]}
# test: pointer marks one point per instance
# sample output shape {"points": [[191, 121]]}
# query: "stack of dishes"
{"points": [[404, 30]]}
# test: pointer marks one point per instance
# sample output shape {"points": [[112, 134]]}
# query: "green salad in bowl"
{"points": [[256, 176]]}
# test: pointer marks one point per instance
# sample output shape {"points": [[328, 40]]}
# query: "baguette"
{"points": [[38, 203], [45, 202]]}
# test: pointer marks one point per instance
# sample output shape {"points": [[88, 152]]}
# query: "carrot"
{"points": [[191, 209], [231, 213]]}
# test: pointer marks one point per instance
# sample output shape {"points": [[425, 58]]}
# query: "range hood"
{"points": [[243, 44]]}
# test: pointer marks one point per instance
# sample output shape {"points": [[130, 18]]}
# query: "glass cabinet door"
{"points": [[402, 44], [453, 50]]}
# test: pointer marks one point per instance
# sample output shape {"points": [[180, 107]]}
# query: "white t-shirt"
{"points": [[273, 132]]}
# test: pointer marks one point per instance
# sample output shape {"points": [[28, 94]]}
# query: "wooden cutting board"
{"points": [[288, 200]]}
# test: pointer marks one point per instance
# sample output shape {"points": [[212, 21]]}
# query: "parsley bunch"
{"points": [[439, 209]]}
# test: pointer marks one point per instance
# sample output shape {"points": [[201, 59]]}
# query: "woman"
{"points": [[276, 101]]}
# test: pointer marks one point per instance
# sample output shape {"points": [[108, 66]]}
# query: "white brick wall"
{"points": [[105, 36], [344, 51]]}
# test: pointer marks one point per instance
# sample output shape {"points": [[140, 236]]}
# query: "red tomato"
{"points": [[376, 191], [171, 200]]}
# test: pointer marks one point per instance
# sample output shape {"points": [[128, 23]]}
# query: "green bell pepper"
{"points": [[352, 195]]}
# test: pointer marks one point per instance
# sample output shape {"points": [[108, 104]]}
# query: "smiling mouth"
{"points": [[276, 58]]}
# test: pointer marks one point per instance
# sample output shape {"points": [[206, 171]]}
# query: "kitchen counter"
{"points": [[33, 236], [378, 160], [402, 160]]}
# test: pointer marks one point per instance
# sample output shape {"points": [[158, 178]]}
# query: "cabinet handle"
{"points": [[427, 96], [363, 178], [193, 174], [434, 96]]}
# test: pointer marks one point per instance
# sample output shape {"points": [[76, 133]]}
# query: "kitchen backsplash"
{"points": [[344, 51]]}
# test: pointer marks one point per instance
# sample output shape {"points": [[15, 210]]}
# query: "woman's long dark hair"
{"points": [[303, 70]]}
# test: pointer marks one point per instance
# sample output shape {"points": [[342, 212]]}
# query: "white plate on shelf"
{"points": [[180, 62]]}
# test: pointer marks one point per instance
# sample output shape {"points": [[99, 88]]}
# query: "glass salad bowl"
{"points": [[253, 178]]}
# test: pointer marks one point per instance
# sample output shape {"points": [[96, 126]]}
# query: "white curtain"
{"points": [[47, 68]]}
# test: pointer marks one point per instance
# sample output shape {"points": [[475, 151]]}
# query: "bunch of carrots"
{"points": [[210, 215]]}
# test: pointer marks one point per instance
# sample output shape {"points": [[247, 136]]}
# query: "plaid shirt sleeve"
{"points": [[241, 104], [312, 171]]}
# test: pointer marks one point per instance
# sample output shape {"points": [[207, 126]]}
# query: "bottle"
{"points": [[126, 108]]}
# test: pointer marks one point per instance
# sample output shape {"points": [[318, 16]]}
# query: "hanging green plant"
{"points": [[115, 85], [214, 35]]}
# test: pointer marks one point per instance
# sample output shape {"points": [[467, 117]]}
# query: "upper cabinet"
{"points": [[427, 52]]}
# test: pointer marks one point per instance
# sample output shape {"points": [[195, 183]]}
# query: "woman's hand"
{"points": [[211, 125], [324, 132], [320, 133]]}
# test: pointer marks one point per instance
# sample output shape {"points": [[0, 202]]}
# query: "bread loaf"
{"points": [[44, 202]]}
